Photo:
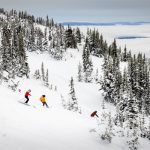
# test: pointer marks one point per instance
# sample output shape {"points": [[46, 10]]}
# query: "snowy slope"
{"points": [[24, 127], [28, 127], [36, 127]]}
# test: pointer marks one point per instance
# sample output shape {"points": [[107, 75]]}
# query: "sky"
{"points": [[84, 10]]}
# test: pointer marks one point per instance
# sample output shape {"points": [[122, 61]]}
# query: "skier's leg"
{"points": [[46, 105], [27, 99]]}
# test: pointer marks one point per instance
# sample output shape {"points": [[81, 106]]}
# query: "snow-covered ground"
{"points": [[28, 127], [36, 127]]}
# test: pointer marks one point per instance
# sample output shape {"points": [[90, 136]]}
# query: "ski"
{"points": [[26, 104]]}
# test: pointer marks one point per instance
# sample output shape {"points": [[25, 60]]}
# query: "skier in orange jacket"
{"points": [[43, 100]]}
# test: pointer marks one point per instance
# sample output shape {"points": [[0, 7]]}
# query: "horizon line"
{"points": [[105, 23]]}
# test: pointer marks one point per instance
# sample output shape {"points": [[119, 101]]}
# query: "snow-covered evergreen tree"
{"points": [[70, 40], [24, 67], [78, 35], [43, 72], [80, 76], [37, 74], [7, 57], [87, 63], [64, 104], [132, 124], [40, 39], [108, 83], [73, 103], [88, 73], [96, 76], [47, 79], [108, 132], [1, 73], [124, 55], [31, 42], [57, 46]]}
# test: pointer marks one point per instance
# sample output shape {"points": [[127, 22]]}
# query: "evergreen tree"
{"points": [[87, 63], [85, 55], [63, 102], [57, 47], [125, 54], [52, 23], [47, 79], [47, 21], [121, 109], [80, 77], [148, 130], [96, 76], [117, 91], [40, 40], [58, 52], [78, 35], [31, 42], [88, 72], [114, 49], [105, 48], [6, 49], [108, 83], [37, 74], [70, 40], [42, 72], [1, 73], [125, 82], [22, 53], [73, 103], [107, 135], [146, 99], [132, 122], [24, 68]]}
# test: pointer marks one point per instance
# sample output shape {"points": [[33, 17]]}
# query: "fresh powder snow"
{"points": [[32, 126]]}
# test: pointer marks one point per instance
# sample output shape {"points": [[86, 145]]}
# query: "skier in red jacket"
{"points": [[27, 94], [94, 114]]}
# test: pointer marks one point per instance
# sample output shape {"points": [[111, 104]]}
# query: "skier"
{"points": [[27, 94], [94, 114], [42, 99]]}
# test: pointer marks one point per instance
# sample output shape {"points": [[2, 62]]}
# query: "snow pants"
{"points": [[45, 104], [27, 99]]}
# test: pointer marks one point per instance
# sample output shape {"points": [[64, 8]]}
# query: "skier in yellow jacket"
{"points": [[43, 100]]}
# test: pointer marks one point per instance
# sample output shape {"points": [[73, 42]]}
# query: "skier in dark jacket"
{"points": [[94, 114], [27, 94]]}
